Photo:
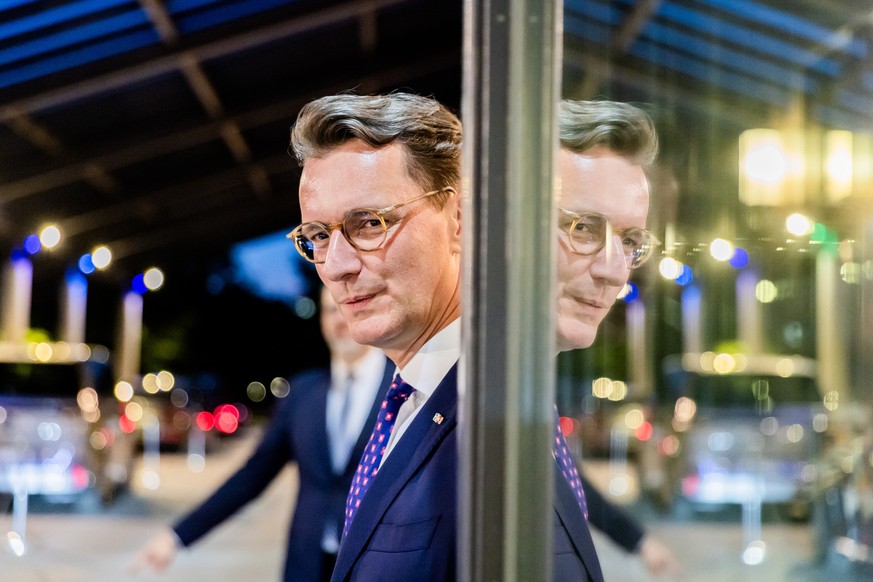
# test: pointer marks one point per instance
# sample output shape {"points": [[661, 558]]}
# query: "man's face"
{"points": [[398, 296], [603, 182]]}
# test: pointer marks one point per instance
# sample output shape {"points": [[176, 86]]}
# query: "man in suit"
{"points": [[606, 147], [379, 199], [322, 426]]}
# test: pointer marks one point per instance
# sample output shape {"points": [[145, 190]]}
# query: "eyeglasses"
{"points": [[588, 233], [364, 228]]}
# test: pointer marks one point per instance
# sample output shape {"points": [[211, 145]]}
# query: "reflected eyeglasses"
{"points": [[364, 228], [589, 231]]}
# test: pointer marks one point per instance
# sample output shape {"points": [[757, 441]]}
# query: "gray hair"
{"points": [[623, 128], [429, 132]]}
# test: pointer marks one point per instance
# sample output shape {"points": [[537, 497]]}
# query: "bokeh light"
{"points": [[101, 257], [50, 236], [721, 250], [153, 279]]}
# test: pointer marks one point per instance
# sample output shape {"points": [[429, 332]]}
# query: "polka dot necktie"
{"points": [[398, 393], [568, 467]]}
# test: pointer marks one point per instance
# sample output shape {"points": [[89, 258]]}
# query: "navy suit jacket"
{"points": [[406, 526], [297, 433]]}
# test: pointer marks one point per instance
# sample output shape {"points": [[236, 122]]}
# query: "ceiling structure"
{"points": [[160, 127]]}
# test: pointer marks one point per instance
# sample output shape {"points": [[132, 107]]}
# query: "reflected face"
{"points": [[598, 181], [398, 296], [336, 332]]}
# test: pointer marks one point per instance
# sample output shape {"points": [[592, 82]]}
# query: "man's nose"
{"points": [[610, 263], [341, 258]]}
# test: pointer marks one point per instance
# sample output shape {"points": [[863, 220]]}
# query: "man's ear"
{"points": [[455, 233]]}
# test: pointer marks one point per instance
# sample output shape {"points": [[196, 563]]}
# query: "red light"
{"points": [[205, 421], [644, 431], [227, 409], [125, 424], [568, 425], [79, 475], [690, 485], [226, 418]]}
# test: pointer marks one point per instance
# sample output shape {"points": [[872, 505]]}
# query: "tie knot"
{"points": [[399, 390]]}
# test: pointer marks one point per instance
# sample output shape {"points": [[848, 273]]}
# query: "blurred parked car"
{"points": [[737, 429], [59, 435]]}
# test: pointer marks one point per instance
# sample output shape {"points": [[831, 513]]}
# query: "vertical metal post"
{"points": [[511, 80]]}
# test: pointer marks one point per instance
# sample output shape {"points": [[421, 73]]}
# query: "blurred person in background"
{"points": [[606, 147], [322, 426]]}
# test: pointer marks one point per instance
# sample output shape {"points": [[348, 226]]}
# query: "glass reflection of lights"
{"points": [[629, 293], [739, 259], [685, 277], [721, 250], [765, 291], [799, 225], [669, 268]]}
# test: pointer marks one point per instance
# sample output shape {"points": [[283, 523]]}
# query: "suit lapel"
{"points": [[411, 451], [576, 524]]}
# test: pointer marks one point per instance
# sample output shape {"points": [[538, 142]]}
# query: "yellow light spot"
{"points": [[724, 363], [601, 387], [765, 291], [123, 391], [670, 268], [633, 419], [133, 411], [721, 250]]}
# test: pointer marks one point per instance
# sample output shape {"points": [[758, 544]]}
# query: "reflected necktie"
{"points": [[398, 393], [568, 467]]}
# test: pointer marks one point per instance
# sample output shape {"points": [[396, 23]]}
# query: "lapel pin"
{"points": [[438, 418]]}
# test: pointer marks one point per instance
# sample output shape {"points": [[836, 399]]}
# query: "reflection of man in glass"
{"points": [[603, 205]]}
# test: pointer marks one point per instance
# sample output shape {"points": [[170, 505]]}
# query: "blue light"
{"points": [[137, 285], [685, 277], [74, 58], [232, 11], [32, 244], [740, 259], [72, 37], [633, 293], [86, 264], [18, 254], [60, 15]]}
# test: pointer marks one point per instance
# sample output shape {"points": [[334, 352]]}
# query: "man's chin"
{"points": [[576, 339]]}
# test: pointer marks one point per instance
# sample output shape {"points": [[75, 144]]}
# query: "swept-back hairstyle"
{"points": [[623, 128], [428, 131]]}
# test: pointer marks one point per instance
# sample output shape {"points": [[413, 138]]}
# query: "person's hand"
{"points": [[157, 553], [658, 559]]}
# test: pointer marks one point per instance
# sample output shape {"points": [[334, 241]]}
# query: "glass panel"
{"points": [[724, 401]]}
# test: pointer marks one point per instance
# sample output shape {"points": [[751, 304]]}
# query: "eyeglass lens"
{"points": [[363, 228], [588, 234]]}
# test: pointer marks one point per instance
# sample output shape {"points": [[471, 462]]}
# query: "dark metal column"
{"points": [[511, 81]]}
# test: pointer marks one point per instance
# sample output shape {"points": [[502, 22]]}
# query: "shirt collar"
{"points": [[428, 367]]}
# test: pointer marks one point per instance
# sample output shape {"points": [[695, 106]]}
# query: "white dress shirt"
{"points": [[424, 372]]}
